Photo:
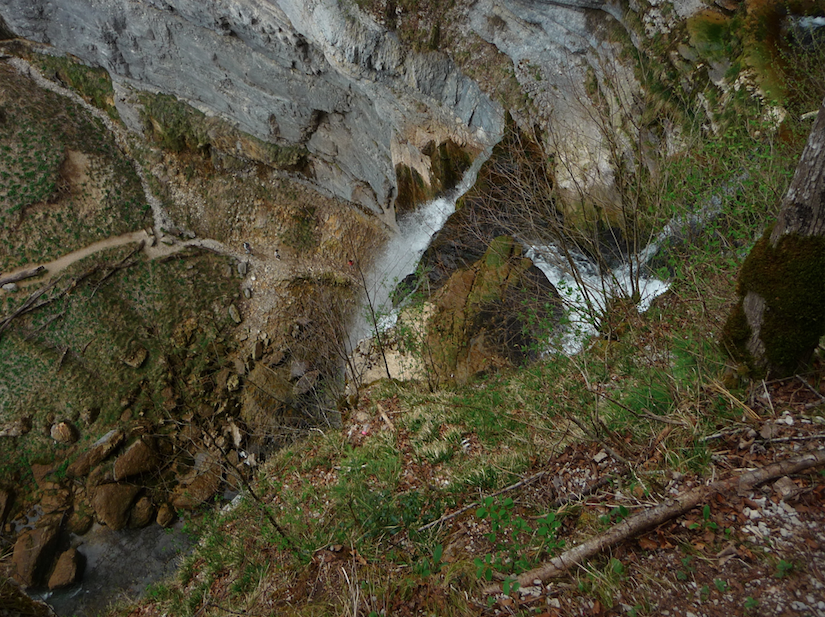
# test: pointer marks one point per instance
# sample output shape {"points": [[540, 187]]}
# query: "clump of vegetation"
{"points": [[64, 183], [179, 127], [92, 83]]}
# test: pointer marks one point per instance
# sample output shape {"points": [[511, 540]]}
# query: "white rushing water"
{"points": [[402, 253], [583, 289]]}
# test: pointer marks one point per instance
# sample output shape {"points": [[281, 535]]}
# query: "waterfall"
{"points": [[402, 253]]}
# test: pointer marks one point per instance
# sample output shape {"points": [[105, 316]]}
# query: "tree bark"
{"points": [[780, 317]]}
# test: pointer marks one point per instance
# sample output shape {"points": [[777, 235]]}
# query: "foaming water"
{"points": [[585, 290], [402, 253]]}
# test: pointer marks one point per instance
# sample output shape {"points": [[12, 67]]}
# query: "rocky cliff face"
{"points": [[314, 72]]}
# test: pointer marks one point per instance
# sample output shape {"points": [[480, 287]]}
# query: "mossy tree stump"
{"points": [[780, 316]]}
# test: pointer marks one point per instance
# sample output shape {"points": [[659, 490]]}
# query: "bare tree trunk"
{"points": [[780, 317]]}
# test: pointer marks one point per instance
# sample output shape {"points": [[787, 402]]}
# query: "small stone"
{"points": [[10, 287], [785, 487], [17, 428], [136, 357], [234, 314], [165, 515], [126, 415], [243, 267], [64, 433], [258, 351], [598, 458], [80, 523], [142, 513], [247, 293], [233, 382], [68, 569], [769, 431]]}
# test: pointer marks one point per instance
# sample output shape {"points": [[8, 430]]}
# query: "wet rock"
{"points": [[68, 569], [306, 383], [139, 458], [166, 515], [17, 427], [99, 452], [142, 513], [234, 314], [111, 503], [33, 554], [6, 502], [491, 315], [64, 433]]}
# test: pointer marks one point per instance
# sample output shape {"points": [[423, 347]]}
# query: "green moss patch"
{"points": [[791, 279]]}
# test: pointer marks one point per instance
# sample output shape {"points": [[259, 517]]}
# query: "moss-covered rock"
{"points": [[790, 279], [491, 315]]}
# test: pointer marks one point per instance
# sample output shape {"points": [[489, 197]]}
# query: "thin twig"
{"points": [[810, 387]]}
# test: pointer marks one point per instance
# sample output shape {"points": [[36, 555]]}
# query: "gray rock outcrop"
{"points": [[316, 72]]}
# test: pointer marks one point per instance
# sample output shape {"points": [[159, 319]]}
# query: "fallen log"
{"points": [[654, 517], [22, 275]]}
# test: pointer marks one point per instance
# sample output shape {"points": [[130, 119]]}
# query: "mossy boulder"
{"points": [[790, 279], [491, 315]]}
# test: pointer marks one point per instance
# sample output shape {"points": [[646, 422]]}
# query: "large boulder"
{"points": [[33, 554], [199, 485], [112, 502], [68, 569], [491, 315], [139, 458], [100, 451]]}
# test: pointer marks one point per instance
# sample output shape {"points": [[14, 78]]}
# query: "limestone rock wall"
{"points": [[314, 72]]}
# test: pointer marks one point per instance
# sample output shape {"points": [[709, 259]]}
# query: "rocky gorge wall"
{"points": [[317, 73]]}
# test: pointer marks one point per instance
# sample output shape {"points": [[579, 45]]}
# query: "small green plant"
{"points": [[431, 566], [616, 515], [721, 586], [514, 541], [689, 568], [784, 568], [750, 604]]}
